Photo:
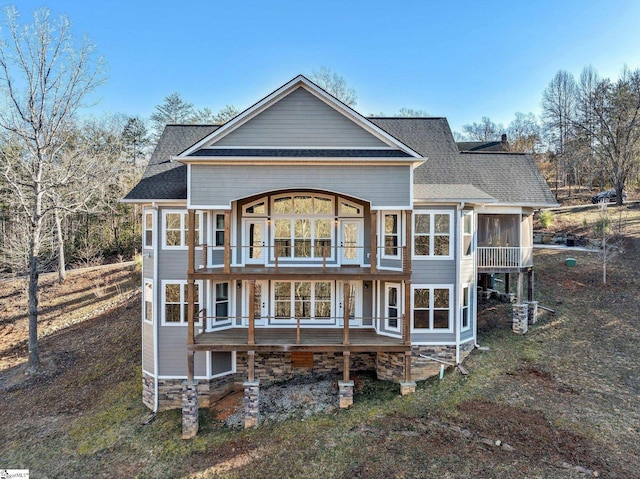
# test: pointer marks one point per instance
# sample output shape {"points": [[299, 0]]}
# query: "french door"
{"points": [[255, 240], [351, 242]]}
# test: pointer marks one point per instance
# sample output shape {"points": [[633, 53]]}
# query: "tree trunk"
{"points": [[34, 276], [62, 271]]}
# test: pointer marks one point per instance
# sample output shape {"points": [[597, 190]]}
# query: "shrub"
{"points": [[545, 218]]}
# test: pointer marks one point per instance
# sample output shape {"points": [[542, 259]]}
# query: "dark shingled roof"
{"points": [[511, 178], [164, 179], [301, 153]]}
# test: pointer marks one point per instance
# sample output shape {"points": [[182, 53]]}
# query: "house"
{"points": [[303, 237]]}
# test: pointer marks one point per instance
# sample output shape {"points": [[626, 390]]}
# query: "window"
{"points": [[219, 230], [148, 230], [257, 208], [307, 300], [350, 209], [148, 301], [176, 224], [222, 303], [432, 235], [431, 308], [174, 299], [392, 306], [303, 226], [465, 319], [467, 233], [391, 234]]}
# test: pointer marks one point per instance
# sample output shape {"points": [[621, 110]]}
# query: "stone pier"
{"points": [[520, 318], [345, 389], [189, 409], [407, 388], [251, 403], [532, 311]]}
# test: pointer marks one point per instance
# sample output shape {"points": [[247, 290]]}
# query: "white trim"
{"points": [[398, 306], [182, 377], [432, 235], [296, 160], [153, 213], [219, 375], [390, 208], [452, 303], [462, 328], [184, 214], [501, 209], [400, 233], [433, 343], [183, 300], [465, 214], [148, 373], [253, 147], [175, 201]]}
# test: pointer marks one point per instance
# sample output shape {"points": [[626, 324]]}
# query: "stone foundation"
{"points": [[170, 391], [278, 367], [148, 391], [466, 349], [423, 368], [345, 390], [520, 319], [189, 409], [532, 311], [251, 404], [390, 366]]}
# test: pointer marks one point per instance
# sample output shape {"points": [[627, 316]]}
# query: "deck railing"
{"points": [[504, 257]]}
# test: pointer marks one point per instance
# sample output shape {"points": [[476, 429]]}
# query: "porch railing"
{"points": [[504, 257]]}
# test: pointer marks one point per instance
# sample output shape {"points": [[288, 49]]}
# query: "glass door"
{"points": [[254, 251], [350, 242], [354, 303]]}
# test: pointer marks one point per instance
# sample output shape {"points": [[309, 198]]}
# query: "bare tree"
{"points": [[44, 77], [524, 133], [486, 130], [335, 85], [615, 127]]}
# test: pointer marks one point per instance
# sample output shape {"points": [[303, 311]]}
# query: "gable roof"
{"points": [[297, 84], [164, 179]]}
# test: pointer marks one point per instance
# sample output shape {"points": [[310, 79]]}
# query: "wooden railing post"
{"points": [[227, 241], [191, 241], [251, 339], [406, 320], [345, 311], [374, 241]]}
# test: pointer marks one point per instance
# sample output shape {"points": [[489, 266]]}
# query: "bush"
{"points": [[545, 218]]}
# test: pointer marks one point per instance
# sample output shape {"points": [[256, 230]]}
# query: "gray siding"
{"points": [[172, 350], [147, 266], [300, 119], [466, 271], [449, 338], [219, 185], [426, 271], [147, 350]]}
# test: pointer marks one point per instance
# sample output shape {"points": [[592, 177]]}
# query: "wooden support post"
{"points": [[251, 366], [227, 241], [507, 285], [407, 366], [530, 285], [191, 311], [191, 241], [190, 365], [346, 357], [408, 243], [406, 319], [520, 293], [251, 339], [374, 242], [346, 295]]}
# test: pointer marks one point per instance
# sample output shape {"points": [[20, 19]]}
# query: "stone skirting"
{"points": [[278, 366], [170, 391], [520, 318], [345, 390], [251, 404], [390, 366], [466, 349], [423, 368], [189, 409], [532, 311]]}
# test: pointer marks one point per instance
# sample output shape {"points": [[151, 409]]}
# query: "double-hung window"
{"points": [[175, 229], [148, 300], [175, 302], [467, 233], [432, 309], [465, 318], [391, 225], [432, 235], [147, 234]]}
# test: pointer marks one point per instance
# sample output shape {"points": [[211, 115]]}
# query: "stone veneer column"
{"points": [[251, 403], [532, 311], [345, 389], [189, 409], [520, 319]]}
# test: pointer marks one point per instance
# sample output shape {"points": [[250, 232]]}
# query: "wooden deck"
{"points": [[311, 339], [293, 273]]}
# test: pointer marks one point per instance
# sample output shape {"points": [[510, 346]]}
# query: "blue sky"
{"points": [[459, 59]]}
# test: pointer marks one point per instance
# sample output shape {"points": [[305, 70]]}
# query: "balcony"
{"points": [[504, 259]]}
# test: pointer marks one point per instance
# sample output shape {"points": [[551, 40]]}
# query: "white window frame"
{"points": [[151, 214], [214, 303], [398, 234], [351, 204], [432, 235], [398, 306], [264, 200], [469, 297], [312, 218], [147, 293], [184, 224], [292, 301], [215, 230], [224, 373], [431, 288], [183, 301], [464, 234]]}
